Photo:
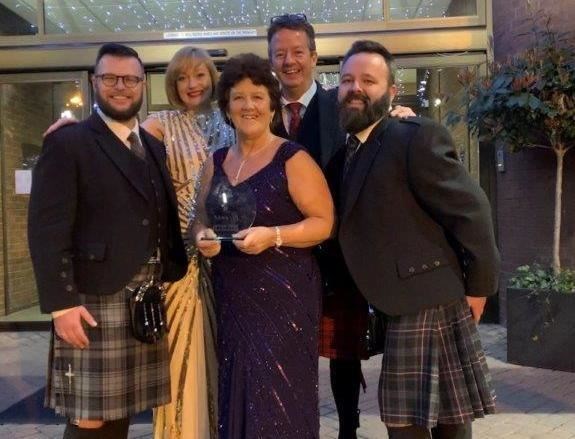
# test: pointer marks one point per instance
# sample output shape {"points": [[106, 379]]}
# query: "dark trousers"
{"points": [[110, 430], [345, 378], [442, 431]]}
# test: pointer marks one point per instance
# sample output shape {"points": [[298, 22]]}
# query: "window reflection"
{"points": [[26, 110], [18, 17], [410, 9], [79, 16]]}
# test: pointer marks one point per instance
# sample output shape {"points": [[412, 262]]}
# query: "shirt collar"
{"points": [[120, 130], [363, 135], [304, 99]]}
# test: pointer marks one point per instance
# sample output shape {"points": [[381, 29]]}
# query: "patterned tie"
{"points": [[294, 109], [136, 146], [351, 147]]}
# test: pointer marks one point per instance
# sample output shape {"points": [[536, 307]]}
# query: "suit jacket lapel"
{"points": [[278, 127], [116, 151], [362, 167], [154, 148], [330, 134]]}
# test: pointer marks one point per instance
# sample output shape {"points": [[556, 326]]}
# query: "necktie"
{"points": [[294, 109], [351, 147], [136, 146]]}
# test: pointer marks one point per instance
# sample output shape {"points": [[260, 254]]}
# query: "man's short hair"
{"points": [[292, 22], [119, 51], [368, 46]]}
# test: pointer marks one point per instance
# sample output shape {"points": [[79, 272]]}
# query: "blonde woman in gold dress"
{"points": [[190, 132]]}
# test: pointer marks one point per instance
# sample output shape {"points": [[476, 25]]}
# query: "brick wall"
{"points": [[525, 192], [509, 22], [26, 111]]}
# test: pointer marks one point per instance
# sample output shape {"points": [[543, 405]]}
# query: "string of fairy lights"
{"points": [[96, 16]]}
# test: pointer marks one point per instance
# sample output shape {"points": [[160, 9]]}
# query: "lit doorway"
{"points": [[29, 103]]}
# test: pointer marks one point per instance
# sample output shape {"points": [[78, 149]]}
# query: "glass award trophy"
{"points": [[230, 209]]}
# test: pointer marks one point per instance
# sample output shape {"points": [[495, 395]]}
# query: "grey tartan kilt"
{"points": [[116, 376], [434, 369]]}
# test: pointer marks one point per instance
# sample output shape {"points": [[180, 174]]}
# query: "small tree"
{"points": [[528, 102]]}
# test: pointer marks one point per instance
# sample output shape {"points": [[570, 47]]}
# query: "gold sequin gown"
{"points": [[192, 414]]}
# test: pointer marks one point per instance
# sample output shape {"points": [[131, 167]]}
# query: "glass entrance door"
{"points": [[29, 103]]}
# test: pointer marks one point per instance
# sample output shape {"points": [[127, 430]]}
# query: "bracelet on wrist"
{"points": [[279, 240]]}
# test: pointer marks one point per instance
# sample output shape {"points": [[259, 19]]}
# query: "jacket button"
{"points": [[69, 288], [64, 260], [424, 267], [436, 263], [63, 274], [91, 257], [411, 269], [145, 222]]}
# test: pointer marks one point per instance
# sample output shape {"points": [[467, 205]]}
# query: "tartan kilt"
{"points": [[116, 376], [343, 326], [434, 369]]}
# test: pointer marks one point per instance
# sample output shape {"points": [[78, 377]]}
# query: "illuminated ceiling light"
{"points": [[76, 100]]}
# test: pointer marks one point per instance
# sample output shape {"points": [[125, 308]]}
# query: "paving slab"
{"points": [[532, 403]]}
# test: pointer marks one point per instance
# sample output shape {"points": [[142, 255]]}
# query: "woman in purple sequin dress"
{"points": [[266, 282]]}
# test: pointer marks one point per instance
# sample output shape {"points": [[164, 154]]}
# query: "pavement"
{"points": [[532, 403]]}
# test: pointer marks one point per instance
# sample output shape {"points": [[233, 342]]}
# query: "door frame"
{"points": [[82, 78]]}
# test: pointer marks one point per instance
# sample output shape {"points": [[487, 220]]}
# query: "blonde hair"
{"points": [[183, 59]]}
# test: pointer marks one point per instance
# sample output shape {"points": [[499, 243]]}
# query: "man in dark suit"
{"points": [[309, 113], [416, 234], [309, 116], [103, 218]]}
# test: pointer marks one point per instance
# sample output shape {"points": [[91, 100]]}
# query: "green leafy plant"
{"points": [[542, 283], [538, 278], [528, 102]]}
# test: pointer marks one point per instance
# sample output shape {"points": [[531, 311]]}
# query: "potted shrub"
{"points": [[529, 102], [540, 315]]}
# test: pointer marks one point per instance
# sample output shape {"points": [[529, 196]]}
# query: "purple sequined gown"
{"points": [[268, 309]]}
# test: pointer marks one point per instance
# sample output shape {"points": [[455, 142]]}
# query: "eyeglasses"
{"points": [[110, 80], [288, 19]]}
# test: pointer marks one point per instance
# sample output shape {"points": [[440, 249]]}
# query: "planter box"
{"points": [[541, 332]]}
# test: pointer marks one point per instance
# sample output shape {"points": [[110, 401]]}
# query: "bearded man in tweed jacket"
{"points": [[416, 234], [103, 219]]}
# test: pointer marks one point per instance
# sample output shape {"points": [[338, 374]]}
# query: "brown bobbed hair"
{"points": [[183, 59], [254, 68]]}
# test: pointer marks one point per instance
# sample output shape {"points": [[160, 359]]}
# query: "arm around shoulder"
{"points": [[153, 126]]}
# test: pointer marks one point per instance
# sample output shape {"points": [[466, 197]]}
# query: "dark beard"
{"points": [[112, 113], [354, 120]]}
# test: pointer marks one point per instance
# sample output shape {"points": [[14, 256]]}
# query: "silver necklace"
{"points": [[244, 161]]}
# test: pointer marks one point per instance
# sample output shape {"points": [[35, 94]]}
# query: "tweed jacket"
{"points": [[89, 216]]}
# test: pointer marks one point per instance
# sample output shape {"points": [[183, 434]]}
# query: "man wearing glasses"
{"points": [[309, 116], [103, 218]]}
